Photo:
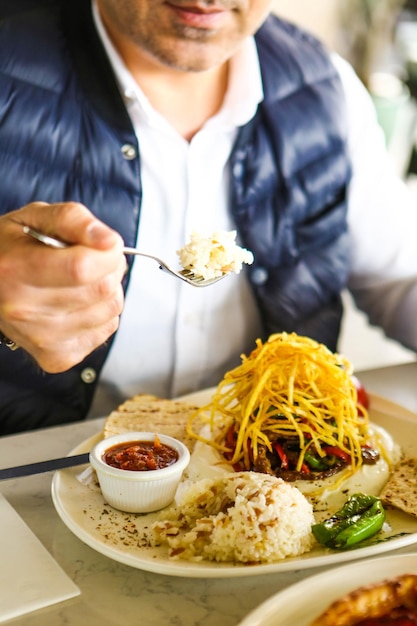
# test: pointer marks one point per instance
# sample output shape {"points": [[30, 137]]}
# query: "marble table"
{"points": [[113, 594]]}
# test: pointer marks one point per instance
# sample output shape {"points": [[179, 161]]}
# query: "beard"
{"points": [[176, 33]]}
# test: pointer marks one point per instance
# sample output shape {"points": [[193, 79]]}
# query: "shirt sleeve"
{"points": [[382, 219]]}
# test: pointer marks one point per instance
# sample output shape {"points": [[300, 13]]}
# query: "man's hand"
{"points": [[59, 305]]}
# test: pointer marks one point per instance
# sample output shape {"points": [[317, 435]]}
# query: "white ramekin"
{"points": [[139, 491]]}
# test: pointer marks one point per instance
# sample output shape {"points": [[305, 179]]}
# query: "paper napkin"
{"points": [[30, 578]]}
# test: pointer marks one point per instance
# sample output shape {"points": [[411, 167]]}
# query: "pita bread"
{"points": [[149, 413], [401, 489]]}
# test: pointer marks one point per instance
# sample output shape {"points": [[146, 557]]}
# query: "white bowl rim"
{"points": [[140, 476]]}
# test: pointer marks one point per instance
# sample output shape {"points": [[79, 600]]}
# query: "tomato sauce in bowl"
{"points": [[139, 472], [140, 455]]}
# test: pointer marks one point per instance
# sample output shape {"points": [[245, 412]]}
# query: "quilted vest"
{"points": [[65, 135]]}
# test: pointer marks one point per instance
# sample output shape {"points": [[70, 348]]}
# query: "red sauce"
{"points": [[140, 455]]}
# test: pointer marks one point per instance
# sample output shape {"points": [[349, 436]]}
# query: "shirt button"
{"points": [[238, 170], [128, 151], [88, 375], [129, 94], [259, 275]]}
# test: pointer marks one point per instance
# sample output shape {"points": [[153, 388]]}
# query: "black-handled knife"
{"points": [[43, 466]]}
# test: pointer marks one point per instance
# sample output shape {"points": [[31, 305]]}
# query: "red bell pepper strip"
{"points": [[230, 438], [335, 451], [362, 395], [280, 451], [305, 469]]}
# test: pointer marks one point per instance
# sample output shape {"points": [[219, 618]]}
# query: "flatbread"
{"points": [[401, 489], [145, 412]]}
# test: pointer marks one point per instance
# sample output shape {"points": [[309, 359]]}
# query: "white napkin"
{"points": [[29, 577]]}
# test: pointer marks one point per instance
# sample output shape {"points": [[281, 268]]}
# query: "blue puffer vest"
{"points": [[65, 135]]}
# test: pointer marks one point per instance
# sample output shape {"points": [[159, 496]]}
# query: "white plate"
{"points": [[125, 537], [319, 591]]}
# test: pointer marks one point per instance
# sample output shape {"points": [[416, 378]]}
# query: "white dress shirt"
{"points": [[173, 338]]}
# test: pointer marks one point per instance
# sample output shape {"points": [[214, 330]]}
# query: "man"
{"points": [[156, 118]]}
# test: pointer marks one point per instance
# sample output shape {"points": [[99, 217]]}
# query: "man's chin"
{"points": [[192, 56]]}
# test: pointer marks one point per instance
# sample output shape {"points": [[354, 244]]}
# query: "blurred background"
{"points": [[379, 38]]}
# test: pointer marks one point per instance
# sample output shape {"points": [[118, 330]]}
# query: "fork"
{"points": [[187, 276]]}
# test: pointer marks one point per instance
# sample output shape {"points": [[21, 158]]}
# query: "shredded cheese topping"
{"points": [[288, 386]]}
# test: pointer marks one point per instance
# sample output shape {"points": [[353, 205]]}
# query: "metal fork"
{"points": [[186, 275]]}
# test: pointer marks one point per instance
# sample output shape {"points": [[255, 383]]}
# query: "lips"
{"points": [[198, 15], [199, 9], [202, 7]]}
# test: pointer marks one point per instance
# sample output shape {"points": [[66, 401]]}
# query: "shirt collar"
{"points": [[243, 95]]}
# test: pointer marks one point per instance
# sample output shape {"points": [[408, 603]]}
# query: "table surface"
{"points": [[114, 594]]}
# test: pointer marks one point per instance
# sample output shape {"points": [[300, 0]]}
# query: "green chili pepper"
{"points": [[357, 503], [361, 517], [315, 463], [327, 531], [367, 525]]}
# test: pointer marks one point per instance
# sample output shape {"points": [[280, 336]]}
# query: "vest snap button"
{"points": [[88, 375], [128, 151], [238, 170], [259, 275]]}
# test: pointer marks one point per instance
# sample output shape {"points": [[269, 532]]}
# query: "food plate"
{"points": [[126, 537], [319, 591]]}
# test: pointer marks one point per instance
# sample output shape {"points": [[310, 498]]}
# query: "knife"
{"points": [[44, 466]]}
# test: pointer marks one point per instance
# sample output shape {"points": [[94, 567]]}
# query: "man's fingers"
{"points": [[60, 304], [71, 222]]}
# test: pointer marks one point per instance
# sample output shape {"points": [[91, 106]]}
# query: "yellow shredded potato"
{"points": [[288, 386]]}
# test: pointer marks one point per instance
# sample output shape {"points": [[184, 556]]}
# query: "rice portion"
{"points": [[213, 256], [246, 517]]}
